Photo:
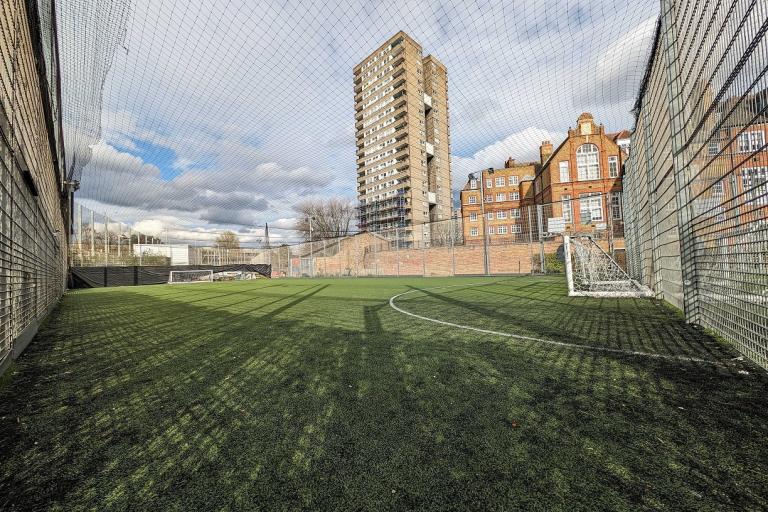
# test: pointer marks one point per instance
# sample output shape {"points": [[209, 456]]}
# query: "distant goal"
{"points": [[190, 276], [591, 272]]}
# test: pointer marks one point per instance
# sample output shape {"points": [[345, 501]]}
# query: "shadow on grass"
{"points": [[134, 401], [627, 324]]}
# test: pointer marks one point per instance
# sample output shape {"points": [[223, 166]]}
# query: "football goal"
{"points": [[190, 276], [592, 272]]}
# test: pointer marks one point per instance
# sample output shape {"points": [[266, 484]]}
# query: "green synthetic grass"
{"points": [[315, 394]]}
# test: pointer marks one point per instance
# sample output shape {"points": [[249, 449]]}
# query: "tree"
{"points": [[331, 218], [228, 240]]}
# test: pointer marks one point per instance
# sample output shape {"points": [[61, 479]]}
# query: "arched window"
{"points": [[588, 162]]}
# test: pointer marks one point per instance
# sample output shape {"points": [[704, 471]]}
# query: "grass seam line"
{"points": [[541, 340]]}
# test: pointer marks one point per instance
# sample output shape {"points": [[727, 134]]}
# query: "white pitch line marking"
{"points": [[539, 340]]}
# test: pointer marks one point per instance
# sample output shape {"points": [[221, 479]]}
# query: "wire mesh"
{"points": [[32, 225], [696, 186]]}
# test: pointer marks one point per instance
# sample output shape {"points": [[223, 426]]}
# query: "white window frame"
{"points": [[489, 198], [516, 228], [489, 215], [514, 213], [567, 207], [613, 167], [751, 141], [501, 214], [472, 216], [488, 183], [491, 230], [754, 182], [473, 232], [473, 184], [588, 162], [500, 181], [502, 230], [513, 180], [514, 196], [472, 200], [565, 172], [616, 206], [501, 197], [591, 203]]}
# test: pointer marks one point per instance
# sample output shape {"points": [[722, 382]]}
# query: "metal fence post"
{"points": [[106, 240], [397, 249], [530, 236], [93, 225], [540, 218]]}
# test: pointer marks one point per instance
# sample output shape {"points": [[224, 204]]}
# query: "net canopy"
{"points": [[210, 114]]}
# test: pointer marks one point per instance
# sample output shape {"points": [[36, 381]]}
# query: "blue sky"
{"points": [[224, 114]]}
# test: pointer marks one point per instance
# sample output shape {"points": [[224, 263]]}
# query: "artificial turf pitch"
{"points": [[316, 394]]}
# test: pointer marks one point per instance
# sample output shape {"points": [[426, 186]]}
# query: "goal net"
{"points": [[190, 276], [591, 272]]}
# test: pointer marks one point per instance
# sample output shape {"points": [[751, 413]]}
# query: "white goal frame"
{"points": [[207, 273], [596, 274]]}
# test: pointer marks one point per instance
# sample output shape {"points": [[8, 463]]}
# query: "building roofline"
{"points": [[399, 33]]}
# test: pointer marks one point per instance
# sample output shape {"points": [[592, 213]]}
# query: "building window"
{"points": [[501, 196], [489, 215], [567, 210], [501, 214], [616, 205], [613, 166], [514, 180], [754, 180], [473, 184], [516, 228], [500, 181], [713, 148], [590, 207], [473, 232], [502, 230], [587, 162], [489, 198], [473, 217], [472, 199], [514, 196], [718, 190], [751, 141], [565, 172], [491, 230], [514, 213], [489, 183]]}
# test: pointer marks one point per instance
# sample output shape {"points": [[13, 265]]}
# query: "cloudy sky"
{"points": [[218, 114]]}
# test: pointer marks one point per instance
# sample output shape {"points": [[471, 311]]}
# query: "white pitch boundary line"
{"points": [[540, 340]]}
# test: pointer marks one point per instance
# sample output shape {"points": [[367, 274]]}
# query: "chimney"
{"points": [[509, 163], [545, 151]]}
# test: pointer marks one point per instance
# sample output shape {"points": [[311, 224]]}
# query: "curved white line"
{"points": [[540, 340]]}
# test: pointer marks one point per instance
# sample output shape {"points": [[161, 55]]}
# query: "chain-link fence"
{"points": [[696, 185], [32, 216], [503, 240]]}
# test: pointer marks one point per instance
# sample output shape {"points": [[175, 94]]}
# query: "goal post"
{"points": [[592, 272], [190, 276]]}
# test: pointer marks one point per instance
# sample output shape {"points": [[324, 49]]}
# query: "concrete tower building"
{"points": [[403, 145]]}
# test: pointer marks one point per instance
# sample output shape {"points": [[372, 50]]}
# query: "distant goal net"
{"points": [[190, 276], [591, 272]]}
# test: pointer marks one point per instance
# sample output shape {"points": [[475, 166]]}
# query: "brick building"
{"points": [[579, 181], [500, 195], [582, 177]]}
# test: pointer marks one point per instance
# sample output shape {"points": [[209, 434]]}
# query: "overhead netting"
{"points": [[225, 114]]}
